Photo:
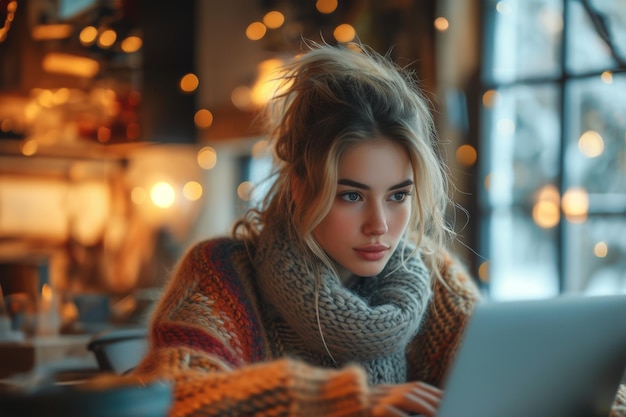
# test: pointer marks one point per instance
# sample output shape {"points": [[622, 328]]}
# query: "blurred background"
{"points": [[127, 133]]}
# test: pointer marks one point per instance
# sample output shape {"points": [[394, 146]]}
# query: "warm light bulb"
{"points": [[132, 44], [79, 66], [344, 33], [326, 6], [489, 97], [546, 214], [273, 19], [607, 77], [466, 155], [189, 83], [162, 194], [88, 35], [203, 119], [207, 158], [575, 204], [255, 31], [591, 144], [442, 24], [601, 249], [192, 190], [107, 38], [244, 191], [46, 293], [29, 147]]}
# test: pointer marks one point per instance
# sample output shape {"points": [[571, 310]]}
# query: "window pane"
{"points": [[595, 157], [596, 256], [526, 39], [522, 257], [586, 50], [522, 142]]}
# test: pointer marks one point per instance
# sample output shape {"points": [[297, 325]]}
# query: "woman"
{"points": [[336, 296]]}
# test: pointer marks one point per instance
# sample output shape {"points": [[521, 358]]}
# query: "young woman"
{"points": [[337, 296]]}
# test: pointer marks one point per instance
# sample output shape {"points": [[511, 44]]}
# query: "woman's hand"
{"points": [[407, 399]]}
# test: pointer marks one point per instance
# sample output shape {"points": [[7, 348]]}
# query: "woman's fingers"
{"points": [[405, 399], [429, 388]]}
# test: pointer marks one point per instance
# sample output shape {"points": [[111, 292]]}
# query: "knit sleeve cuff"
{"points": [[331, 393], [281, 387]]}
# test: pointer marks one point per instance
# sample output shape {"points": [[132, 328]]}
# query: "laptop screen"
{"points": [[558, 357]]}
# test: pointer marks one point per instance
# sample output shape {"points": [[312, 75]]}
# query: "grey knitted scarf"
{"points": [[370, 323]]}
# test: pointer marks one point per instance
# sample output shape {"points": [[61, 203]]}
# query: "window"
{"points": [[552, 167]]}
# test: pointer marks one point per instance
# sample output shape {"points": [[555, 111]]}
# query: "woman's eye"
{"points": [[400, 196], [351, 197]]}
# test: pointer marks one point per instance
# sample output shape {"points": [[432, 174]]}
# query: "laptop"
{"points": [[557, 357]]}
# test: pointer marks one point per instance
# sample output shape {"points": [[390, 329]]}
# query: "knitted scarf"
{"points": [[370, 323]]}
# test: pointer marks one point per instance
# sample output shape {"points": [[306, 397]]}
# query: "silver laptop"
{"points": [[558, 357]]}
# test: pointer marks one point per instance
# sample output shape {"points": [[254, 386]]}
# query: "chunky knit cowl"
{"points": [[370, 323]]}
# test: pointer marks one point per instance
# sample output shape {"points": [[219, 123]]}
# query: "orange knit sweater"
{"points": [[208, 338]]}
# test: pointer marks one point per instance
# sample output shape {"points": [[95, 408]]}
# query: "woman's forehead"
{"points": [[379, 162]]}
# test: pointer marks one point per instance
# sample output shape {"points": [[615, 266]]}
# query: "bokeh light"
{"points": [[273, 19], [466, 155], [192, 190], [162, 194], [591, 144], [244, 190], [442, 24], [326, 6], [207, 158], [203, 119], [575, 204], [344, 33], [601, 250], [255, 31], [189, 83]]}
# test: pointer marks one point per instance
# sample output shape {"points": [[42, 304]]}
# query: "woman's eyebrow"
{"points": [[356, 184], [403, 184]]}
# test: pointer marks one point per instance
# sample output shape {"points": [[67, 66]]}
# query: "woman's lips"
{"points": [[372, 252]]}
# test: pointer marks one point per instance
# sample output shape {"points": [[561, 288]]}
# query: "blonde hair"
{"points": [[334, 97]]}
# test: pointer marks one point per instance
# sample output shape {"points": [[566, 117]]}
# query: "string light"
{"points": [[256, 31], [107, 38], [273, 19], [326, 6], [207, 158], [607, 77], [88, 35], [442, 24], [203, 119], [344, 33], [601, 250], [162, 194], [575, 204], [189, 83], [131, 44], [466, 155], [244, 190], [192, 190], [591, 144]]}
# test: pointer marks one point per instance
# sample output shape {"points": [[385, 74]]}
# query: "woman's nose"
{"points": [[376, 221]]}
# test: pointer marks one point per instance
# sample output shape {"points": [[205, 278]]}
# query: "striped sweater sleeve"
{"points": [[207, 339], [432, 351]]}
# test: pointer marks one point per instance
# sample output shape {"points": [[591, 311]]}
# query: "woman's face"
{"points": [[371, 209]]}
